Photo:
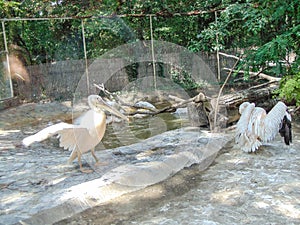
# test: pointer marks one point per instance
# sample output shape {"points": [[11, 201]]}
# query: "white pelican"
{"points": [[82, 137], [256, 126]]}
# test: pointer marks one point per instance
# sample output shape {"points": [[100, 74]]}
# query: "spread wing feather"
{"points": [[272, 122], [242, 125], [46, 133], [243, 132], [70, 138], [254, 125], [69, 135]]}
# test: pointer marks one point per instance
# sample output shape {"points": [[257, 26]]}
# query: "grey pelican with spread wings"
{"points": [[255, 126], [82, 137]]}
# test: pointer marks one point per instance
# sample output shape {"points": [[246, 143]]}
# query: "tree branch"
{"points": [[229, 56], [254, 74], [172, 108]]}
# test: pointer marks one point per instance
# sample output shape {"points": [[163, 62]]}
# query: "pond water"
{"points": [[120, 134]]}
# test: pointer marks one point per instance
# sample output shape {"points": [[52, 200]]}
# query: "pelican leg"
{"points": [[97, 160], [94, 155], [80, 164]]}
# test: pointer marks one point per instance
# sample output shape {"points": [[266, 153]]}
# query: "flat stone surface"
{"points": [[238, 188]]}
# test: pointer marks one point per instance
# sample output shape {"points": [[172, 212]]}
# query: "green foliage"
{"points": [[277, 50], [242, 24], [290, 88], [266, 30], [47, 41], [9, 8]]}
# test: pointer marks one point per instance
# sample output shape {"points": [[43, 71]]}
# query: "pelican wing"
{"points": [[242, 125], [70, 136], [273, 122], [252, 131], [246, 132], [78, 137], [45, 133]]}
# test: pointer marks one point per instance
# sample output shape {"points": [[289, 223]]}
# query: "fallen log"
{"points": [[201, 108], [228, 105], [257, 95]]}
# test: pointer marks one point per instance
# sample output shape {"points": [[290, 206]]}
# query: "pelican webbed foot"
{"points": [[86, 170], [81, 167]]}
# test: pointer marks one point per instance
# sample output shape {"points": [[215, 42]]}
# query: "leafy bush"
{"points": [[290, 88]]}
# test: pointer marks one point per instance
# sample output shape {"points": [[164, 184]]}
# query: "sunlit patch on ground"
{"points": [[227, 197]]}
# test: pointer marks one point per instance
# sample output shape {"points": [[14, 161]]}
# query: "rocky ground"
{"points": [[38, 187], [238, 188]]}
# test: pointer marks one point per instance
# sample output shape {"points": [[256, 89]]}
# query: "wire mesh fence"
{"points": [[49, 58]]}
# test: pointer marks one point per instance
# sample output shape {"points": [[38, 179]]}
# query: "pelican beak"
{"points": [[105, 106]]}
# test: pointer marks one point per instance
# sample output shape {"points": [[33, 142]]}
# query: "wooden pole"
{"points": [[7, 60], [85, 58], [218, 56], [152, 51]]}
